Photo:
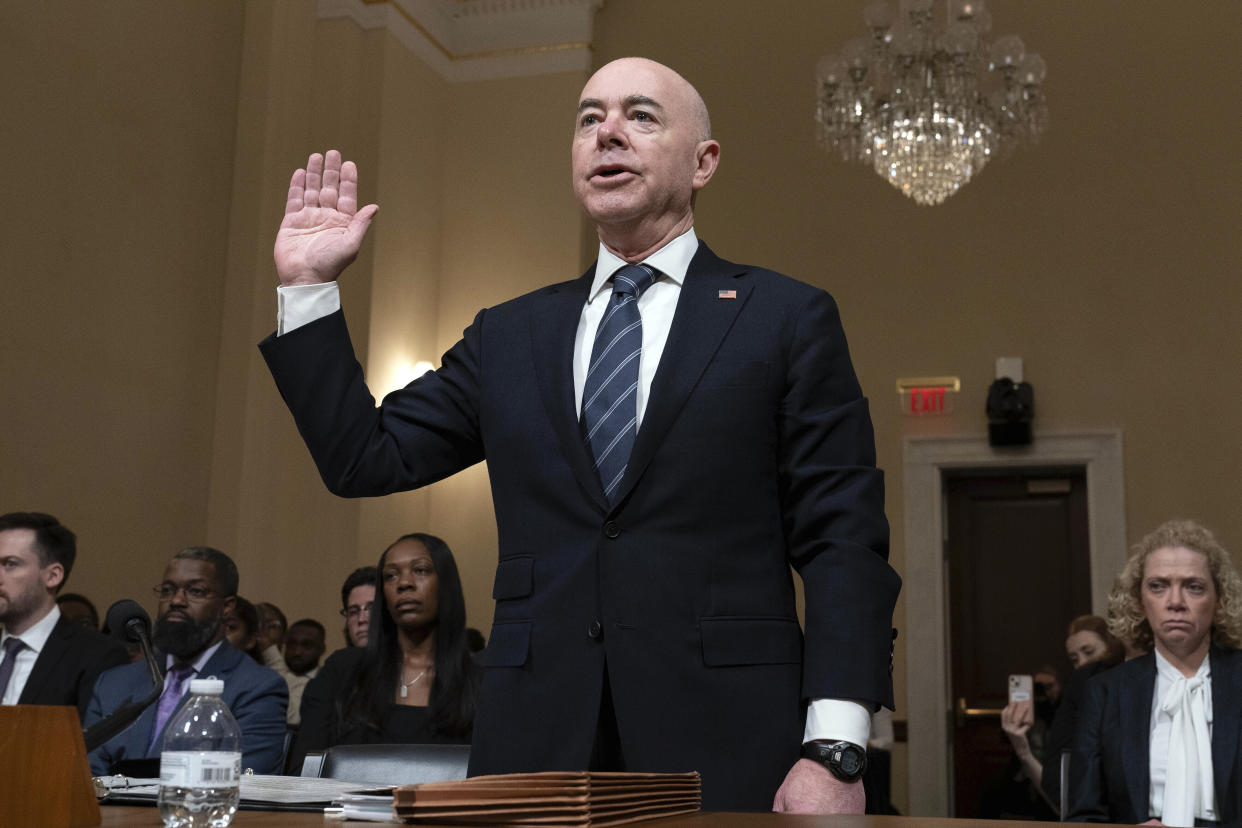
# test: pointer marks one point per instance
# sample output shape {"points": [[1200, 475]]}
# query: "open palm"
{"points": [[323, 228]]}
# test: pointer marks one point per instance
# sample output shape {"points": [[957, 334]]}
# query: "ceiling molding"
{"points": [[472, 40]]}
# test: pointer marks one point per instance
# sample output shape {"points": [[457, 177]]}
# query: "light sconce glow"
{"points": [[403, 373]]}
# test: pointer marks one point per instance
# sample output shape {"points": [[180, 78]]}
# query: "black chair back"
{"points": [[390, 764]]}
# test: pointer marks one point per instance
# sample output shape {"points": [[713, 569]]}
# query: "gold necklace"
{"points": [[405, 688]]}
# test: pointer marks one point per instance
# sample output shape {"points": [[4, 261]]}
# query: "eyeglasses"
{"points": [[193, 592], [354, 611]]}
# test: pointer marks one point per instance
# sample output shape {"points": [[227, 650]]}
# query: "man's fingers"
{"points": [[297, 184], [347, 202], [314, 179], [331, 180]]}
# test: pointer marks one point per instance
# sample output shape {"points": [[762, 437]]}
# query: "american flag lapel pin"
{"points": [[726, 294]]}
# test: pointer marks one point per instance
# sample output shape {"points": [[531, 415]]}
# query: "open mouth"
{"points": [[612, 171]]}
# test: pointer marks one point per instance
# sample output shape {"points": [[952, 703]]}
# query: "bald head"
{"points": [[687, 97], [642, 150]]}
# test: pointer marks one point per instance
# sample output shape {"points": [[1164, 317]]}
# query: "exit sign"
{"points": [[927, 396]]}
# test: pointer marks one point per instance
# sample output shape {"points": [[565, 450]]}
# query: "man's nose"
{"points": [[612, 132]]}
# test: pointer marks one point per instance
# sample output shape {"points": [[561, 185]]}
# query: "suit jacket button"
{"points": [[596, 630], [611, 529]]}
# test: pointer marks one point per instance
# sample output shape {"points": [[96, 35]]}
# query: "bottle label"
{"points": [[199, 769]]}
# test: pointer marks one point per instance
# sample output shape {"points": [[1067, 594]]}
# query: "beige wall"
{"points": [[148, 169], [118, 147]]}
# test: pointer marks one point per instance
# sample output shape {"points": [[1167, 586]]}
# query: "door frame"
{"points": [[926, 593]]}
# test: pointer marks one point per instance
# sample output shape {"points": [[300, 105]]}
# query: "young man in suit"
{"points": [[198, 589], [45, 657], [665, 436]]}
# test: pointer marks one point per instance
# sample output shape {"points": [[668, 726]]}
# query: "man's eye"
{"points": [[641, 116], [589, 120]]}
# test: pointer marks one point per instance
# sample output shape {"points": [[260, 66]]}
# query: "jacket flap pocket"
{"points": [[732, 641], [508, 645], [514, 578]]}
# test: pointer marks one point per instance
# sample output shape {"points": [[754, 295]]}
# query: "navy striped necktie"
{"points": [[610, 393]]}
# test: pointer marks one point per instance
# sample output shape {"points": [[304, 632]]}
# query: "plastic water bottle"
{"points": [[200, 764]]}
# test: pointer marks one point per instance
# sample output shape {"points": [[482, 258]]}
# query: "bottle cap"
{"points": [[206, 687]]}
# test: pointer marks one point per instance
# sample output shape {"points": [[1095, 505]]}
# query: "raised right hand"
{"points": [[323, 228]]}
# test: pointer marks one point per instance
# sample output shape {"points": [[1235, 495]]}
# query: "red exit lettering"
{"points": [[927, 400]]}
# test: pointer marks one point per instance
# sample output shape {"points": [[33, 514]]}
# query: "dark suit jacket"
{"points": [[67, 666], [755, 451], [324, 726], [1111, 780], [256, 695]]}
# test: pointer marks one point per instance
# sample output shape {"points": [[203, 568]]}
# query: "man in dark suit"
{"points": [[198, 589], [45, 658], [665, 436]]}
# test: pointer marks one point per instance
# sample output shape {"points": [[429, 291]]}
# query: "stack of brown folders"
{"points": [[559, 799]]}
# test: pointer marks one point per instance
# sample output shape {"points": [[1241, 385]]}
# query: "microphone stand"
{"points": [[125, 715]]}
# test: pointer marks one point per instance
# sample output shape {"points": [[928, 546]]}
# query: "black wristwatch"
{"points": [[846, 760]]}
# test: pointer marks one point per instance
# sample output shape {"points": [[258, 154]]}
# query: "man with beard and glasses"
{"points": [[198, 590], [45, 656]]}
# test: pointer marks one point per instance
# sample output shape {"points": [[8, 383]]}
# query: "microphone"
{"points": [[127, 621]]}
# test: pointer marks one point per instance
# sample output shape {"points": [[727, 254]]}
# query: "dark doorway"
{"points": [[1019, 569]]}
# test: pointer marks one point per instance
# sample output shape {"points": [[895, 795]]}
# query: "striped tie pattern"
{"points": [[610, 393]]}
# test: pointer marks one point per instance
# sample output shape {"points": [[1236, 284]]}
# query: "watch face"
{"points": [[850, 761]]}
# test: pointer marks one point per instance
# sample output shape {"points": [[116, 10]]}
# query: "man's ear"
{"points": [[708, 155], [228, 605], [53, 576]]}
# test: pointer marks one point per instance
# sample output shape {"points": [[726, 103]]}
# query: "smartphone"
{"points": [[1021, 688]]}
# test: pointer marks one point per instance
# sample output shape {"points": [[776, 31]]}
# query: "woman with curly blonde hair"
{"points": [[1127, 619], [1159, 735]]}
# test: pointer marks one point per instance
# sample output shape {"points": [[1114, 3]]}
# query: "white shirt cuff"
{"points": [[298, 305], [837, 720]]}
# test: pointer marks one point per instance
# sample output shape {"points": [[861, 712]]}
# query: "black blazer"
{"points": [[1111, 780], [323, 705], [755, 452], [67, 666]]}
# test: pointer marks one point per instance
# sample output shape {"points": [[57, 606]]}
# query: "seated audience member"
{"points": [[199, 588], [1038, 741], [78, 609], [241, 627], [272, 627], [357, 598], [1091, 649], [1158, 736], [304, 646], [415, 682], [45, 658]]}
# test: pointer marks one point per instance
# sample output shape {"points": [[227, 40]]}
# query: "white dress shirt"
{"points": [[831, 719], [1162, 734], [35, 638]]}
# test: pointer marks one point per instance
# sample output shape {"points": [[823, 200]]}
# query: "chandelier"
{"points": [[928, 106]]}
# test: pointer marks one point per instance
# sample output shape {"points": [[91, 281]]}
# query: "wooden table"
{"points": [[124, 816]]}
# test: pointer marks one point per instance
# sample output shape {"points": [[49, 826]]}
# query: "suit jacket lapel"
{"points": [[553, 326], [1226, 728], [53, 651], [699, 325], [1136, 701]]}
